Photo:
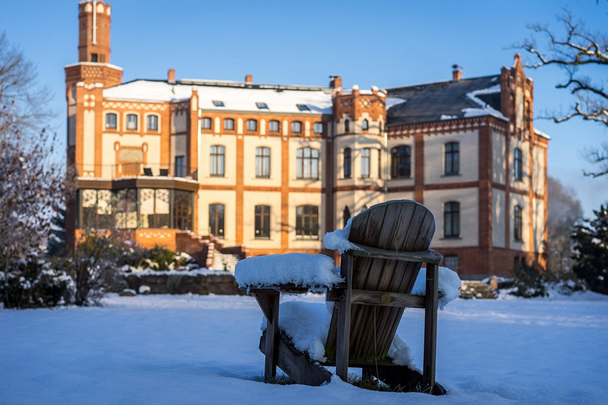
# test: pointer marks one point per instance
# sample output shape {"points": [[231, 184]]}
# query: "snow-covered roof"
{"points": [[541, 133], [444, 101], [234, 96]]}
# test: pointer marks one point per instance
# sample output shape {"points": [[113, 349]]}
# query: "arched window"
{"points": [[345, 216], [517, 223], [401, 162], [296, 127], [228, 124], [206, 123], [451, 219], [307, 222], [347, 163], [318, 128], [217, 160], [365, 125], [132, 122], [262, 162], [365, 162], [452, 158], [110, 121], [252, 125], [347, 126], [216, 220], [518, 163], [152, 122], [307, 163], [273, 126], [262, 221]]}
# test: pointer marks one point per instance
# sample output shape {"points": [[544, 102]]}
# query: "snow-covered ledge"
{"points": [[298, 269]]}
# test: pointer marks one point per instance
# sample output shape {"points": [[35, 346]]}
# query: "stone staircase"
{"points": [[209, 251], [224, 261], [477, 290]]}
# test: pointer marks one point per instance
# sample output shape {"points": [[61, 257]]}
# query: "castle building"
{"points": [[258, 169]]}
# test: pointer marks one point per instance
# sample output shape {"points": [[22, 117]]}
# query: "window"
{"points": [[94, 57], [183, 209], [296, 127], [110, 121], [452, 158], [451, 220], [516, 262], [126, 209], [451, 262], [307, 222], [252, 125], [365, 125], [273, 126], [217, 160], [261, 106], [518, 165], [218, 103], [262, 222], [96, 209], [401, 162], [517, 223], [132, 121], [130, 161], [307, 161], [154, 208], [216, 220], [180, 166], [347, 126], [262, 162], [152, 122], [345, 216], [318, 128], [206, 123], [229, 124], [347, 163], [303, 107], [365, 162], [379, 163]]}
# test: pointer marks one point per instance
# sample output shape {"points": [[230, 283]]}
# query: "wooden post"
{"points": [[269, 303], [430, 327], [343, 333]]}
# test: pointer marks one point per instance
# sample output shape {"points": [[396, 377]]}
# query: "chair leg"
{"points": [[430, 327], [343, 332], [269, 303]]}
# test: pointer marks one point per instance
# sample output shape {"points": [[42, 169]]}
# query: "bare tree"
{"points": [[31, 185], [576, 50]]}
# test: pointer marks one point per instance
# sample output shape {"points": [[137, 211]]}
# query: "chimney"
{"points": [[356, 90], [335, 81], [249, 79], [456, 72], [171, 76]]}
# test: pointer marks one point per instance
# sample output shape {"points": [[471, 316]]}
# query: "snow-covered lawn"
{"points": [[203, 350]]}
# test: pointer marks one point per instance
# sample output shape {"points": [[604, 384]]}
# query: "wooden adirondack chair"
{"points": [[394, 239]]}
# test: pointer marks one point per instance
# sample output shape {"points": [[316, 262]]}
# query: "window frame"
{"points": [[365, 125], [296, 127], [401, 160], [316, 126], [451, 158], [518, 223], [148, 117], [179, 168], [366, 167], [229, 127], [308, 163], [217, 161], [270, 124], [108, 114], [209, 120], [518, 164], [346, 126], [262, 162], [347, 163], [253, 123], [307, 222], [448, 262], [451, 220], [262, 222], [127, 115], [219, 220]]}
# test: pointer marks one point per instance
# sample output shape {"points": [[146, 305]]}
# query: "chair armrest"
{"points": [[425, 256], [287, 288]]}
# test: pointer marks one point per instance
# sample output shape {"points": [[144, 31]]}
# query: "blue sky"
{"points": [[382, 43]]}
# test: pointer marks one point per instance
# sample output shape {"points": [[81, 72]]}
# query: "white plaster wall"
{"points": [[204, 168], [434, 157], [401, 195], [539, 225], [386, 159], [499, 174], [294, 145], [525, 149], [226, 197], [250, 145], [356, 143], [499, 218], [356, 201], [523, 202], [297, 199], [89, 141], [469, 215], [538, 170], [108, 155], [250, 200]]}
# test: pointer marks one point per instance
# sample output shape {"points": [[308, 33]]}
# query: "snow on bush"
{"points": [[300, 269]]}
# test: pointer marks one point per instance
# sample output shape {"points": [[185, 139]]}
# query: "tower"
{"points": [[94, 20]]}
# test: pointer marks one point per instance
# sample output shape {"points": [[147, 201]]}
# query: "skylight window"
{"points": [[261, 106], [303, 107], [218, 103]]}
